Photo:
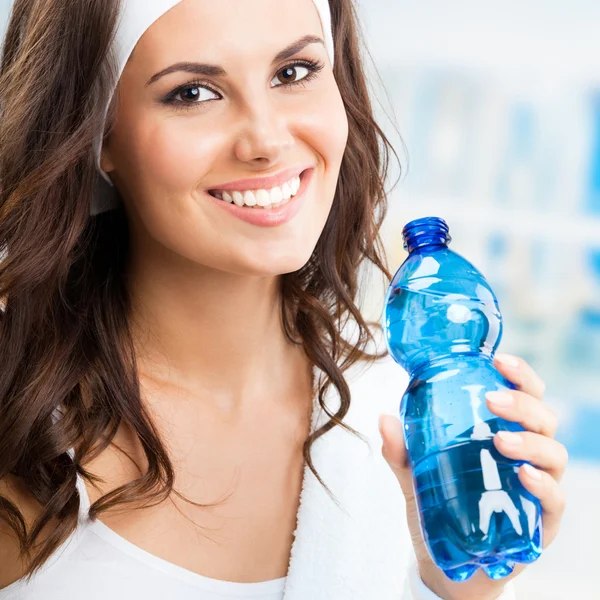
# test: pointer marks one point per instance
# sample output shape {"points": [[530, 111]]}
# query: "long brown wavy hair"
{"points": [[64, 336]]}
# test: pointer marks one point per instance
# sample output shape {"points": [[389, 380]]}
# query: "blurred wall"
{"points": [[498, 109]]}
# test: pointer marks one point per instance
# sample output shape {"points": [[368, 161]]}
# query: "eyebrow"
{"points": [[217, 71]]}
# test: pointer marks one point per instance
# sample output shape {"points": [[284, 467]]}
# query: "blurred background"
{"points": [[494, 108]]}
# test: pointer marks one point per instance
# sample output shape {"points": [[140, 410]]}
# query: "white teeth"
{"points": [[262, 198], [249, 198], [238, 198], [276, 195]]}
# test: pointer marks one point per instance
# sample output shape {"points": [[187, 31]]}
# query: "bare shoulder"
{"points": [[12, 566]]}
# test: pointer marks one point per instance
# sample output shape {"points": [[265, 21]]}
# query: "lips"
{"points": [[259, 183], [268, 199], [269, 217]]}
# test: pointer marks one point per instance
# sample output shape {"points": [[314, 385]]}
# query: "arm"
{"points": [[12, 565]]}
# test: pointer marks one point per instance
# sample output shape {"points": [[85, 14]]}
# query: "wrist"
{"points": [[433, 578]]}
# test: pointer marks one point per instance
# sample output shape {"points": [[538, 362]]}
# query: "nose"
{"points": [[264, 136]]}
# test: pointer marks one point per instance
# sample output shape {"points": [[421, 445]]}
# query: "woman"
{"points": [[179, 358]]}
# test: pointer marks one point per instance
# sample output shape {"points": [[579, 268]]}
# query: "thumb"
{"points": [[394, 451]]}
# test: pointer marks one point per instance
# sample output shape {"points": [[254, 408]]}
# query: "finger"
{"points": [[543, 452], [394, 451], [515, 369], [523, 408], [552, 498]]}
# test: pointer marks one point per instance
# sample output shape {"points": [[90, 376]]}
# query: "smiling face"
{"points": [[181, 134]]}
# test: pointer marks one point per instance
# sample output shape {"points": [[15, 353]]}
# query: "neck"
{"points": [[215, 335]]}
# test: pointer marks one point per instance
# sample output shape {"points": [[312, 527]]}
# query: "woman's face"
{"points": [[181, 134]]}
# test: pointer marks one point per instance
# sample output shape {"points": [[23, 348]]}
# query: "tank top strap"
{"points": [[84, 499]]}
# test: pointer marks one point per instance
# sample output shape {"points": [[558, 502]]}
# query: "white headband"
{"points": [[136, 16]]}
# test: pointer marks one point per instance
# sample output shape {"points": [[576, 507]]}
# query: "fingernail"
{"points": [[507, 359], [510, 438], [532, 472], [500, 398]]}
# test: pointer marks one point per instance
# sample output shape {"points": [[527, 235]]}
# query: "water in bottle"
{"points": [[442, 324]]}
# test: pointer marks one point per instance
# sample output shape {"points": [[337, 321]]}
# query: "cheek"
{"points": [[172, 155], [322, 124]]}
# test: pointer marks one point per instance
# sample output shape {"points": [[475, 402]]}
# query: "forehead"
{"points": [[226, 30]]}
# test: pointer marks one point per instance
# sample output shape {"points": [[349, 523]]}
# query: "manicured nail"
{"points": [[500, 398], [510, 438], [508, 360], [532, 472]]}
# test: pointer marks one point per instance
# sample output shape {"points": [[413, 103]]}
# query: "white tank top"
{"points": [[96, 563]]}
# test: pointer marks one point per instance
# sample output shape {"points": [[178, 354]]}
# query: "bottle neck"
{"points": [[430, 231]]}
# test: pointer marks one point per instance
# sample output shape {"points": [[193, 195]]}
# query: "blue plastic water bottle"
{"points": [[442, 325]]}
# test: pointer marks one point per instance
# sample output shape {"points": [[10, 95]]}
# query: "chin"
{"points": [[278, 262]]}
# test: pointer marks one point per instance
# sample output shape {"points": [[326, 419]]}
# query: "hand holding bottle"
{"points": [[537, 446]]}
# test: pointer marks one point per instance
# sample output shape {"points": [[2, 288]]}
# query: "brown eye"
{"points": [[290, 74], [194, 93]]}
